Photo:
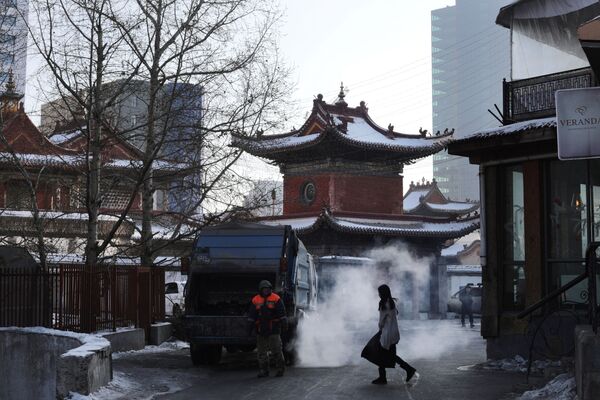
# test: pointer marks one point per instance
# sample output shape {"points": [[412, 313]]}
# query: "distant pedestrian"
{"points": [[466, 300], [267, 315], [381, 349]]}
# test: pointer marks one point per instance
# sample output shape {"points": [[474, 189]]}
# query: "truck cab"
{"points": [[228, 262]]}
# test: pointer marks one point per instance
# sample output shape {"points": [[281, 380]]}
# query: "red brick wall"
{"points": [[369, 194]]}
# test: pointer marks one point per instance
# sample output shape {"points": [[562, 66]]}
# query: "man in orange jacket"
{"points": [[267, 315]]}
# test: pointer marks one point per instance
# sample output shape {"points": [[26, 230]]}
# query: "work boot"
{"points": [[279, 373], [410, 372], [263, 373]]}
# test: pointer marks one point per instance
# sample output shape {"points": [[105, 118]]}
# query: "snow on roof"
{"points": [[79, 161], [161, 165], [278, 143], [410, 228], [382, 226], [413, 199], [453, 250], [162, 232], [295, 223], [42, 159], [549, 122], [361, 131], [348, 125], [54, 215], [60, 138], [463, 268], [453, 206]]}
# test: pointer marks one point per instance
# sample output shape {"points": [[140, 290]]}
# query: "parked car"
{"points": [[228, 263], [454, 304], [174, 298]]}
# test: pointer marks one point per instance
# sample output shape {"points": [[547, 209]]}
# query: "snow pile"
{"points": [[518, 364], [563, 387], [163, 347], [89, 343]]}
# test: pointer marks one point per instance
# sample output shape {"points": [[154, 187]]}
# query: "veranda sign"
{"points": [[578, 123]]}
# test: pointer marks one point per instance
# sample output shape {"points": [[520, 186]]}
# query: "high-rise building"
{"points": [[470, 55], [13, 42]]}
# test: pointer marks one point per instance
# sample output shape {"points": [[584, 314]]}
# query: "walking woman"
{"points": [[389, 336]]}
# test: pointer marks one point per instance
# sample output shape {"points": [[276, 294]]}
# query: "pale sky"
{"points": [[380, 49]]}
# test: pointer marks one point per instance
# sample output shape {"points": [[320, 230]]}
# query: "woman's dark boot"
{"points": [[410, 371], [382, 380]]}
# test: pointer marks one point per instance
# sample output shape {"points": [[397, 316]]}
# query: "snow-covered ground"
{"points": [[519, 364], [563, 387], [127, 386], [166, 346]]}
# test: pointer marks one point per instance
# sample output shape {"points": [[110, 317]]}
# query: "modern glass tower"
{"points": [[13, 42], [470, 56]]}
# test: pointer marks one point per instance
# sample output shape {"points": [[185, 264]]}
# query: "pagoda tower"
{"points": [[343, 185]]}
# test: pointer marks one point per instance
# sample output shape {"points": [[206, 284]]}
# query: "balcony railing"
{"points": [[531, 98]]}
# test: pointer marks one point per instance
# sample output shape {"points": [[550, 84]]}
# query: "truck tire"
{"points": [[205, 354], [197, 354], [213, 354]]}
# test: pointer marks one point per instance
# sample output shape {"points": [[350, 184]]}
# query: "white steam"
{"points": [[336, 333]]}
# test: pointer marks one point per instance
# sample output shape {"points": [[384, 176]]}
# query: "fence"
{"points": [[530, 98], [75, 298]]}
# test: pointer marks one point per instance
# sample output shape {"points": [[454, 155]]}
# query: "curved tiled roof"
{"points": [[350, 126], [381, 226]]}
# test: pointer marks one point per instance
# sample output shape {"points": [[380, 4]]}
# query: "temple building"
{"points": [[42, 189], [343, 188]]}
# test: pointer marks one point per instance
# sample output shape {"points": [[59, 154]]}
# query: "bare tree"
{"points": [[225, 50], [215, 63]]}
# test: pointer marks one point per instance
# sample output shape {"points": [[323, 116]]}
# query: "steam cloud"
{"points": [[335, 334]]}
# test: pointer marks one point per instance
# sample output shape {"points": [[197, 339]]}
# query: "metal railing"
{"points": [[591, 265], [526, 99], [82, 299]]}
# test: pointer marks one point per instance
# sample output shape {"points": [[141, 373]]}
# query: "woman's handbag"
{"points": [[377, 354]]}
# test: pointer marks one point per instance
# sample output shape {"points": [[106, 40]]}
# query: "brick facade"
{"points": [[344, 192]]}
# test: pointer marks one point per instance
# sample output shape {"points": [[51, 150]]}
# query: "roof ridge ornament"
{"points": [[340, 100]]}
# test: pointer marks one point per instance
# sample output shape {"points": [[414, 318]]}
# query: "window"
{"points": [[514, 238], [18, 195], [160, 200], [308, 192], [573, 207], [567, 210]]}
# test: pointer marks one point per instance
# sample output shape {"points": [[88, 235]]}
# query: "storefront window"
{"points": [[567, 210], [573, 205], [595, 178], [514, 238]]}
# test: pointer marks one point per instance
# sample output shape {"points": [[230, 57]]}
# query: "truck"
{"points": [[228, 262]]}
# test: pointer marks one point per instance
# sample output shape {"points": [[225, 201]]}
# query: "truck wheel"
{"points": [[213, 354], [197, 354]]}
